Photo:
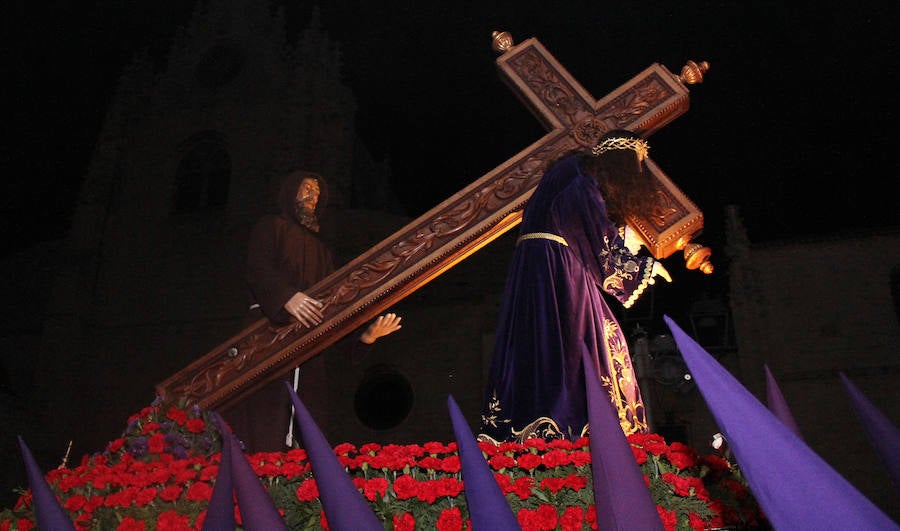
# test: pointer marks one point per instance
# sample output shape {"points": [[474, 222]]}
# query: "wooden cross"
{"points": [[467, 221]]}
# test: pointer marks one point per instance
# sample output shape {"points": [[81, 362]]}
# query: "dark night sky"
{"points": [[794, 123]]}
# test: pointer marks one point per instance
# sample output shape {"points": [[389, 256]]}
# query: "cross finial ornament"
{"points": [[465, 222]]}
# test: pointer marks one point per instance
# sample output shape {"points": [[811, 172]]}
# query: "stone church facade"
{"points": [[150, 276]]}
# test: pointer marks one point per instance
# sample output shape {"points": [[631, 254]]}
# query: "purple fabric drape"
{"points": [[554, 312]]}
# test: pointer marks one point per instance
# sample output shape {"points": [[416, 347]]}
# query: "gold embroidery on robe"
{"points": [[492, 417], [621, 383]]}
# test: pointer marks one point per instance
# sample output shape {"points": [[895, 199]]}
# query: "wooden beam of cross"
{"points": [[462, 224]]}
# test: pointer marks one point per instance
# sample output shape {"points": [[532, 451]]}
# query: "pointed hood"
{"points": [[345, 508], [777, 404], [220, 511], [488, 507], [47, 511], [881, 432], [621, 496], [795, 487], [258, 511]]}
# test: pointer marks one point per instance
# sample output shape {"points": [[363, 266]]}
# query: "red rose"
{"points": [[195, 425], [547, 516], [576, 482], [450, 487], [130, 524], [451, 464], [199, 491], [115, 445], [639, 455], [555, 458], [431, 463], [450, 520], [562, 444], [656, 447], [375, 488], [172, 521], [308, 491], [291, 470], [406, 522], [669, 519], [428, 491], [145, 496], [581, 458], [179, 416], [552, 484], [405, 487], [511, 447], [528, 520], [522, 487], [681, 456], [183, 476], [344, 449], [412, 450], [499, 462], [149, 427], [528, 461], [504, 482], [75, 503], [590, 516], [369, 448], [572, 518], [171, 493], [156, 443], [488, 448], [434, 448], [537, 443], [93, 503]]}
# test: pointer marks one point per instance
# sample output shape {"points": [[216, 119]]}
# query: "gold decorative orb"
{"points": [[501, 41]]}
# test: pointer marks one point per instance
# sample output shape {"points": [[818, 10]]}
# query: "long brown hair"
{"points": [[626, 184]]}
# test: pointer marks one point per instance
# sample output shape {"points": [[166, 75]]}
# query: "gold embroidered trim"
{"points": [[542, 428], [642, 286], [542, 236]]}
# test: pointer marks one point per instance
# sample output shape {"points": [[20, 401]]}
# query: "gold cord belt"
{"points": [[542, 236]]}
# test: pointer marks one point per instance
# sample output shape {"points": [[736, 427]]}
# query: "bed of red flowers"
{"points": [[160, 474]]}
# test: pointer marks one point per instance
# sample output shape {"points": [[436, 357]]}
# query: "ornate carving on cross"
{"points": [[465, 222]]}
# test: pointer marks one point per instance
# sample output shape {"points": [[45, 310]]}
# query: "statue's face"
{"points": [[308, 194]]}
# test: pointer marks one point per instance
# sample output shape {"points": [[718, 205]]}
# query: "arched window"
{"points": [[203, 175]]}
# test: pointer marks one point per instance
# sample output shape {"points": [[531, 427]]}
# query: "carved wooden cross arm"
{"points": [[465, 222]]}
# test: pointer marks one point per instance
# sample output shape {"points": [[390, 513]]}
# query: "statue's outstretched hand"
{"points": [[659, 271], [384, 325]]}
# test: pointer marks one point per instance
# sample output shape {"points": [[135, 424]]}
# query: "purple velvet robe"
{"points": [[553, 310]]}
